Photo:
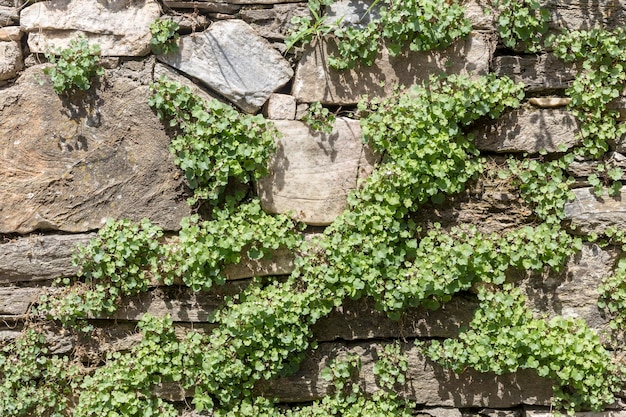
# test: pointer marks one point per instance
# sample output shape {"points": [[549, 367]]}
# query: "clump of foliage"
{"points": [[164, 36], [601, 55], [215, 144], [400, 25], [545, 185], [125, 385], [126, 257], [74, 67], [31, 381], [504, 337], [319, 118], [521, 22]]}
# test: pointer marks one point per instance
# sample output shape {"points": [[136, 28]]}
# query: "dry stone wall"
{"points": [[67, 164]]}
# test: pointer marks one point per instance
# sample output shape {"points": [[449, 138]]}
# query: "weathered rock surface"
{"points": [[214, 57], [587, 14], [591, 214], [36, 258], [280, 107], [161, 70], [10, 59], [316, 81], [11, 33], [429, 384], [550, 102], [574, 291], [273, 22], [279, 263], [529, 130], [204, 6], [179, 302], [15, 301], [311, 173], [358, 320], [545, 412], [71, 164], [120, 27], [361, 12], [539, 73], [8, 15]]}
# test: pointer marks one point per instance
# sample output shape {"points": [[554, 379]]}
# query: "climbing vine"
{"points": [[375, 249]]}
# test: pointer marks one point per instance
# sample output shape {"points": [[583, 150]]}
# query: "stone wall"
{"points": [[68, 164]]}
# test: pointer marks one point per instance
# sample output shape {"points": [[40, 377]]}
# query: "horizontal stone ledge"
{"points": [[39, 257], [47, 257], [359, 320], [181, 304], [591, 214], [546, 412], [539, 73], [427, 382], [529, 129], [205, 6], [16, 301]]}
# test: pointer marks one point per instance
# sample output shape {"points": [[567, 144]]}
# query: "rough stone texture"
{"points": [[274, 22], [161, 70], [188, 22], [591, 214], [11, 33], [120, 27], [429, 384], [358, 320], [280, 107], [70, 164], [439, 412], [180, 303], [360, 13], [214, 57], [15, 301], [549, 102], [10, 59], [311, 173], [544, 412], [204, 6], [529, 130], [279, 263], [585, 14], [539, 73], [574, 291], [8, 15], [36, 258], [357, 13], [315, 81]]}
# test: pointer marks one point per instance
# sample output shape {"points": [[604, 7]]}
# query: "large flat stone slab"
{"points": [[591, 214], [529, 130], [233, 60], [38, 258], [316, 81], [120, 27], [69, 165], [427, 383], [311, 173]]}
